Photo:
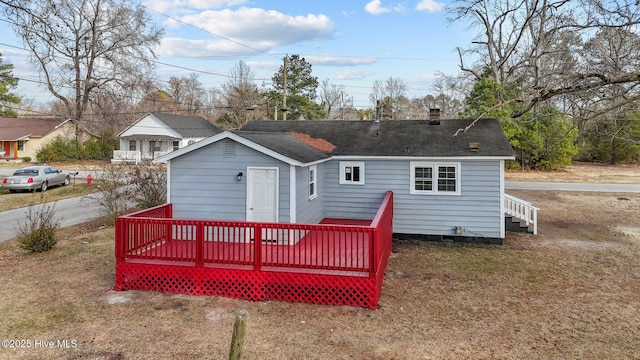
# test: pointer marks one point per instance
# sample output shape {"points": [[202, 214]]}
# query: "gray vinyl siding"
{"points": [[309, 211], [204, 185], [476, 209]]}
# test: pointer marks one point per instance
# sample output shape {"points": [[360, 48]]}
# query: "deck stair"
{"points": [[520, 215]]}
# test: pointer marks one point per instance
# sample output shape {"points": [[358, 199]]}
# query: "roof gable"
{"points": [[283, 147], [170, 126], [399, 138], [14, 129]]}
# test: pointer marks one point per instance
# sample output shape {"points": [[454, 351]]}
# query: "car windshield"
{"points": [[26, 172]]}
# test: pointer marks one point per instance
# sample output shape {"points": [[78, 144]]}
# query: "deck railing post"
{"points": [[372, 251], [121, 239], [199, 244], [257, 243]]}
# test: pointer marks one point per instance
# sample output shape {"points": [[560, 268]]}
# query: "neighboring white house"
{"points": [[156, 134]]}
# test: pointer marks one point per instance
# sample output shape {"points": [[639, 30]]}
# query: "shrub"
{"points": [[124, 187], [60, 150], [38, 233], [150, 183]]}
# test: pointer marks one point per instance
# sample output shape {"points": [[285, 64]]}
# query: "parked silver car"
{"points": [[35, 178]]}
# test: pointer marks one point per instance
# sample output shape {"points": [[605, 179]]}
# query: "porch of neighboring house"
{"points": [[335, 262], [135, 150], [10, 150]]}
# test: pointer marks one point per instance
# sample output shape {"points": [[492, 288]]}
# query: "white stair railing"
{"points": [[125, 156], [522, 210]]}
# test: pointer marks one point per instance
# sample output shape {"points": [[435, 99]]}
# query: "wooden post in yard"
{"points": [[238, 336]]}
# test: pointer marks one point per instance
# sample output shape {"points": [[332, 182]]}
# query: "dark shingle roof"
{"points": [[12, 129], [188, 126], [398, 137], [284, 144]]}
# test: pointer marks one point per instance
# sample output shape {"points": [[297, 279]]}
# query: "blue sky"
{"points": [[350, 43]]}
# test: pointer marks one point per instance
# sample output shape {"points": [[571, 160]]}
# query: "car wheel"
{"points": [[67, 181], [44, 186]]}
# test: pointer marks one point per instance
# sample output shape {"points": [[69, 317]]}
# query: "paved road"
{"points": [[560, 186], [69, 212]]}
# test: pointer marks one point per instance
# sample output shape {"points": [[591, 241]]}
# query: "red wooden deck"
{"points": [[339, 261]]}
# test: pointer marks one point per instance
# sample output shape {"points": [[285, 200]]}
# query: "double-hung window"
{"points": [[313, 182], [352, 172], [434, 178]]}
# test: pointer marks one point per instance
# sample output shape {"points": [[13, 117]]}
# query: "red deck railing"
{"points": [[317, 251]]}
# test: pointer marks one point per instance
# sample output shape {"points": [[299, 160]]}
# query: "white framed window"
{"points": [[352, 172], [20, 145], [313, 182], [435, 178], [132, 145], [154, 145], [175, 145]]}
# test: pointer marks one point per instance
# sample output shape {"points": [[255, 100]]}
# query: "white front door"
{"points": [[262, 194]]}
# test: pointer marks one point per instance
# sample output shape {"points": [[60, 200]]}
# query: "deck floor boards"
{"points": [[326, 251]]}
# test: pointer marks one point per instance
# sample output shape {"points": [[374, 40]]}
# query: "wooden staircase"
{"points": [[520, 215]]}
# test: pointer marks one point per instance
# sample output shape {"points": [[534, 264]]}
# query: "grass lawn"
{"points": [[570, 292]]}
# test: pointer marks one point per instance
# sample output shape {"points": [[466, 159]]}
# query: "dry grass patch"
{"points": [[10, 201], [550, 296], [582, 172]]}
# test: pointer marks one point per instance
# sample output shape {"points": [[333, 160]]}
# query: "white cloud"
{"points": [[429, 5], [188, 6], [330, 60], [374, 7], [262, 27], [354, 75], [179, 47]]}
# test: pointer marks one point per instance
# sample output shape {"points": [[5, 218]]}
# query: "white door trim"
{"points": [[249, 191]]}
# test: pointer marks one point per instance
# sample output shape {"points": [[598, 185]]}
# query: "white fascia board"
{"points": [[423, 158]]}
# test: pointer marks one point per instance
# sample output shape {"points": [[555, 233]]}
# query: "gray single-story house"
{"points": [[444, 186], [157, 133]]}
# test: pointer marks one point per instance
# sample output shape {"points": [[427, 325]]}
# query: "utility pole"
{"points": [[284, 93]]}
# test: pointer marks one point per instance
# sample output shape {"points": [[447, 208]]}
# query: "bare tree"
{"points": [[244, 102], [450, 93], [389, 92], [537, 44], [334, 101], [85, 45], [188, 93]]}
